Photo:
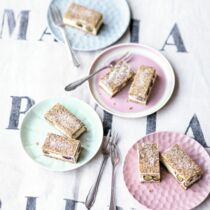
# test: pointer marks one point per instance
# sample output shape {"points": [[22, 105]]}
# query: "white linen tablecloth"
{"points": [[33, 66]]}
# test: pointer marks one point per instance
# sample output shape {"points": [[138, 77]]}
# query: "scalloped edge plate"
{"points": [[168, 194]]}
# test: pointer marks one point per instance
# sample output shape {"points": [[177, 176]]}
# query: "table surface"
{"points": [[34, 66]]}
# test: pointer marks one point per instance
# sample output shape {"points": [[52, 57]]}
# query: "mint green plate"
{"points": [[34, 129]]}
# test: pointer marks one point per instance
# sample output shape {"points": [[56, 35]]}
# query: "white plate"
{"points": [[35, 128], [143, 55], [116, 20]]}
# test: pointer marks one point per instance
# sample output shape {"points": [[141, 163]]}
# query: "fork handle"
{"points": [[91, 197], [79, 82], [112, 205], [70, 50]]}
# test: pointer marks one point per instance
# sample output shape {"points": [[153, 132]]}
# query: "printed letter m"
{"points": [[15, 27]]}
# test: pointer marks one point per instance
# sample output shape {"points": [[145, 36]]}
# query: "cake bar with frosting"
{"points": [[142, 85], [83, 18], [181, 166], [116, 78], [149, 164], [61, 147], [66, 122]]}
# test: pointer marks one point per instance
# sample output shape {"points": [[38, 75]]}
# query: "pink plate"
{"points": [[142, 55], [168, 194]]}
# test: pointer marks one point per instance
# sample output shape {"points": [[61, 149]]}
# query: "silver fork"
{"points": [[58, 20], [126, 57], [115, 158], [90, 199]]}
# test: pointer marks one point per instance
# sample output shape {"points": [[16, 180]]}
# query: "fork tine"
{"points": [[116, 151], [113, 135], [109, 133], [123, 56], [120, 58], [108, 138], [58, 12], [111, 139], [128, 58], [52, 13], [115, 139], [59, 15], [55, 10]]}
